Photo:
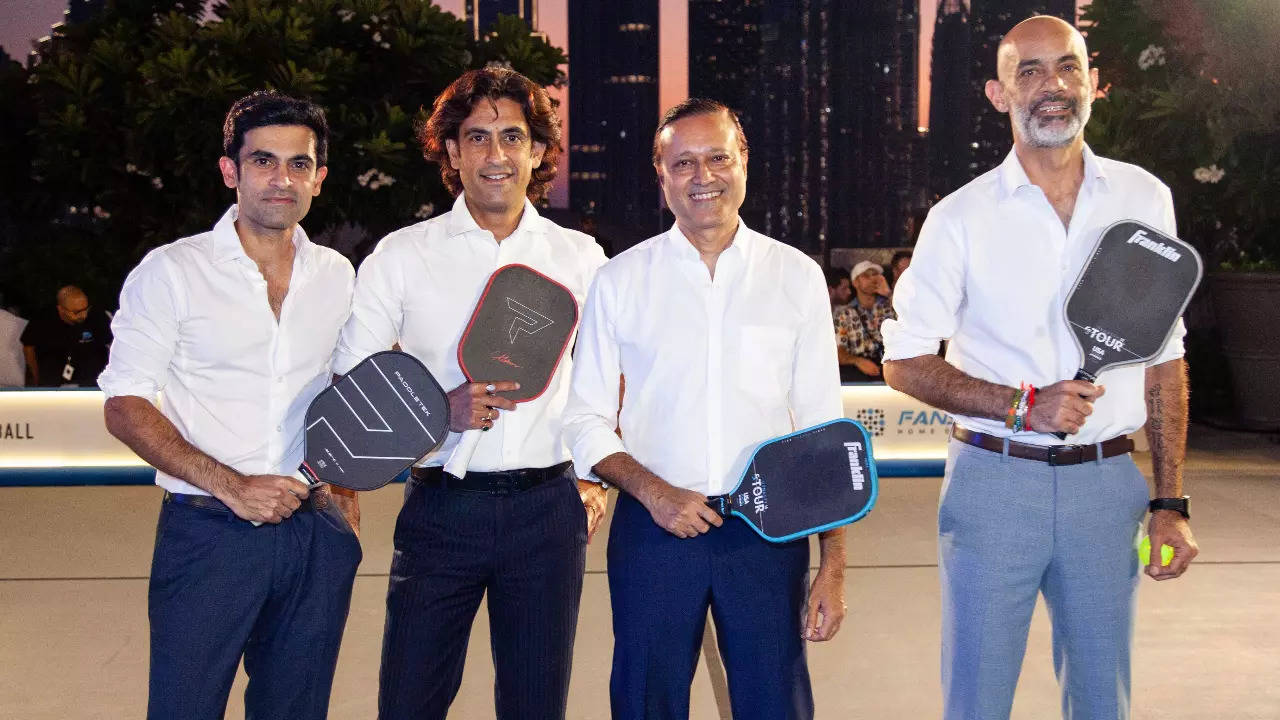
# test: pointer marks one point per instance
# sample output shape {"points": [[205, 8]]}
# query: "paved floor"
{"points": [[73, 629]]}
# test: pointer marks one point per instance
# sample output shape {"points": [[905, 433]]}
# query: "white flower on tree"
{"points": [[1211, 174], [1151, 56], [424, 211], [373, 178]]}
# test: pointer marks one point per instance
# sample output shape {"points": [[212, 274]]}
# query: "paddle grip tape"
{"points": [[719, 503]]}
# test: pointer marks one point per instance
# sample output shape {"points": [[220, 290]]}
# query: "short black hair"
{"points": [[835, 275], [900, 255], [697, 106], [268, 107]]}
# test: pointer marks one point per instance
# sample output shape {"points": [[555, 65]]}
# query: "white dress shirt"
{"points": [[419, 288], [195, 328], [713, 367], [992, 271]]}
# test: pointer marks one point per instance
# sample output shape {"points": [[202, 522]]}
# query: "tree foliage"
{"points": [[113, 135], [1189, 95]]}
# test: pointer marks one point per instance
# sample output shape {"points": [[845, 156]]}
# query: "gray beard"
{"points": [[1040, 137]]}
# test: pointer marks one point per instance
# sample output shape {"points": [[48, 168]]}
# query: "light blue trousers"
{"points": [[1009, 529]]}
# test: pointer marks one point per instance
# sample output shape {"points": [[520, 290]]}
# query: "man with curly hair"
{"points": [[517, 524]]}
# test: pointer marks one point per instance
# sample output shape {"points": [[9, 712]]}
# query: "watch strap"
{"points": [[1180, 505]]}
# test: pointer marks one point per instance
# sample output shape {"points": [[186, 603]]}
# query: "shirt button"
{"points": [[279, 428], [280, 379]]}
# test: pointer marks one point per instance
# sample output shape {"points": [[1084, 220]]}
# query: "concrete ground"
{"points": [[73, 623]]}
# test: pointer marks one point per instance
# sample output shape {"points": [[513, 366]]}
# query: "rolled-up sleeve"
{"points": [[377, 310], [815, 379], [927, 299], [590, 418], [146, 330]]}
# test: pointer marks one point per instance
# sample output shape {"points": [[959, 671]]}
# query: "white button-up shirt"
{"points": [[419, 289], [713, 366], [992, 271], [195, 328]]}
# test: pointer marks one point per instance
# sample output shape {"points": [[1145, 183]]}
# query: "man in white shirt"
{"points": [[724, 336], [1021, 514], [514, 524], [12, 360], [232, 333]]}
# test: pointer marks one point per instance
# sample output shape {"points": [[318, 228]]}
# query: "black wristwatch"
{"points": [[1180, 505]]}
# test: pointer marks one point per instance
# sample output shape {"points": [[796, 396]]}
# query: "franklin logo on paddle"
{"points": [[1144, 240]]}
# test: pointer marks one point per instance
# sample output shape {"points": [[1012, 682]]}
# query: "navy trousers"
{"points": [[278, 595], [661, 586], [528, 550]]}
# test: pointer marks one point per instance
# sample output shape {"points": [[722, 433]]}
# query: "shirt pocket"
{"points": [[766, 354]]}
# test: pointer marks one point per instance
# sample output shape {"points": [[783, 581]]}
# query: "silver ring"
{"points": [[491, 388]]}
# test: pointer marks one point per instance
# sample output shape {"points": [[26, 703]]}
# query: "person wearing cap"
{"points": [[858, 324]]}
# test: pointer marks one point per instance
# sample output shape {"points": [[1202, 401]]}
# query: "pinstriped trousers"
{"points": [[1010, 529], [528, 551]]}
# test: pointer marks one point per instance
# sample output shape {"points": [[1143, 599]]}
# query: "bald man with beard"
{"points": [[68, 346], [1022, 514]]}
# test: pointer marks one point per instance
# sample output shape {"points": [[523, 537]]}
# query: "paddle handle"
{"points": [[460, 460], [720, 503], [1081, 374]]}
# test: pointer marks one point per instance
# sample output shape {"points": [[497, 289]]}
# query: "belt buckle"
{"points": [[1066, 454]]}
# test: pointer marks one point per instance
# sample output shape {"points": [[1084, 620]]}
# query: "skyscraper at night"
{"points": [[826, 90], [613, 110], [480, 14]]}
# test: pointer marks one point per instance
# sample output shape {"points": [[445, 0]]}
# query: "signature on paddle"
{"points": [[505, 359]]}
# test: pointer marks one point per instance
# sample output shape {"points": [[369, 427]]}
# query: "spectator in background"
{"points": [[68, 347], [839, 289], [858, 324], [898, 265], [12, 362]]}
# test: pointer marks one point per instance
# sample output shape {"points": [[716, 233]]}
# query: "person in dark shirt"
{"points": [[69, 347]]}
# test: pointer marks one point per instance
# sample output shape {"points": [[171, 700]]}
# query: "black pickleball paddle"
{"points": [[806, 482], [1129, 296], [374, 422], [518, 332]]}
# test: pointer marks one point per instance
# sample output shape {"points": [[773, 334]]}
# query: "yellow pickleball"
{"points": [[1144, 552]]}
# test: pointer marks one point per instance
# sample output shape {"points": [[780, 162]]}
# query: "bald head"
{"points": [[1045, 84], [1032, 35], [73, 305]]}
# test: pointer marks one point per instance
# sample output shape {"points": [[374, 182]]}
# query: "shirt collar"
{"points": [[226, 242], [461, 222], [1013, 177], [742, 243]]}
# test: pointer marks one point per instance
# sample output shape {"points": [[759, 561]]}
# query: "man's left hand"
{"points": [[594, 501], [1168, 527], [826, 605]]}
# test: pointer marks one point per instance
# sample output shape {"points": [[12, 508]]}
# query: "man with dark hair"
{"points": [[725, 339], [897, 265], [1022, 514], [233, 330], [839, 289], [516, 524], [67, 347]]}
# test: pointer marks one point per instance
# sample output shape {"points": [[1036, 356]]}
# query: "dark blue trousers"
{"points": [[528, 551], [277, 595], [661, 586]]}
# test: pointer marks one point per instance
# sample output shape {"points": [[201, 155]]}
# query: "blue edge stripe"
{"points": [[60, 476]]}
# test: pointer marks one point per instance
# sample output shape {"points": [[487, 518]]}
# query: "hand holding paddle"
{"points": [[473, 406], [1064, 406], [683, 513], [264, 498]]}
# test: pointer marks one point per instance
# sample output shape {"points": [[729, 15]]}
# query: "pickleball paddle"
{"points": [[1129, 296], [518, 332], [374, 422], [806, 482]]}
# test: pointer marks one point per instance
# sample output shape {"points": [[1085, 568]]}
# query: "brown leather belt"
{"points": [[1052, 454]]}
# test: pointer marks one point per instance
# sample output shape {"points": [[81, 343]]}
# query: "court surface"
{"points": [[73, 621]]}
